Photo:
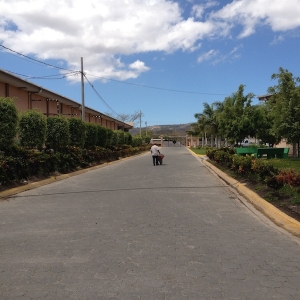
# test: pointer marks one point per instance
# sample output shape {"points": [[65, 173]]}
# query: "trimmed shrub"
{"points": [[114, 138], [77, 130], [121, 137], [102, 136], [290, 177], [147, 139], [109, 137], [247, 166], [32, 129], [223, 157], [210, 153], [137, 141], [57, 134], [8, 122], [91, 135], [242, 164]]}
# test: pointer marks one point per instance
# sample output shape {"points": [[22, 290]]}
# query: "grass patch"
{"points": [[286, 163], [198, 151]]}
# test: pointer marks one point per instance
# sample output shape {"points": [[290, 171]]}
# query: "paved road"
{"points": [[132, 230]]}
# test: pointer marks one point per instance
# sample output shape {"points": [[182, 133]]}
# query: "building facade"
{"points": [[28, 95]]}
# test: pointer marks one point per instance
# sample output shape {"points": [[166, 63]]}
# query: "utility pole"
{"points": [[146, 128], [82, 93], [140, 123]]}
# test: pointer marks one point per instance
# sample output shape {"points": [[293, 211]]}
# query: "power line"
{"points": [[72, 73], [109, 79], [55, 76], [158, 88], [49, 65], [99, 95]]}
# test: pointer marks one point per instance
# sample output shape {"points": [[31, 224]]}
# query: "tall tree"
{"points": [[207, 120], [236, 117], [285, 105], [264, 121]]}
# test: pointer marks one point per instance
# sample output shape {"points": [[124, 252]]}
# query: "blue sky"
{"points": [[163, 58]]}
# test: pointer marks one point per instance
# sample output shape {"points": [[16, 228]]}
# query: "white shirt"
{"points": [[154, 150]]}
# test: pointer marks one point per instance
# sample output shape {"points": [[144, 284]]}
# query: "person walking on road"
{"points": [[154, 152]]}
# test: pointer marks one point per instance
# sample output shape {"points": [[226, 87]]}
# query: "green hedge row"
{"points": [[249, 166], [33, 145], [18, 163], [34, 130]]}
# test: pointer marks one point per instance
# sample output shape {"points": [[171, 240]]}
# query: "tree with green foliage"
{"points": [[57, 134], [264, 123], [147, 132], [236, 118], [198, 130], [285, 107], [8, 122], [91, 135], [77, 131], [32, 129], [207, 123]]}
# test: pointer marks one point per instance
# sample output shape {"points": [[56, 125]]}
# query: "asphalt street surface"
{"points": [[131, 230]]}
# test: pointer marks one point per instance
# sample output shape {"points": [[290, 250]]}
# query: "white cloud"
{"points": [[207, 56], [278, 14], [216, 57], [277, 39], [198, 10], [105, 31], [139, 66]]}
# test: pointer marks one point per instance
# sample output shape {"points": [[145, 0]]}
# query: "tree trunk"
{"points": [[295, 154]]}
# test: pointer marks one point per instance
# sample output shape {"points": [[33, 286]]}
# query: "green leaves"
{"points": [[58, 134], [77, 130], [8, 122], [32, 129], [285, 106]]}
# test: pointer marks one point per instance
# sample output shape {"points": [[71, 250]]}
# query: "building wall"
{"points": [[25, 100], [192, 141], [2, 90]]}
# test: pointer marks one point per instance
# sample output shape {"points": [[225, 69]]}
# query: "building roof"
{"points": [[20, 83], [264, 97]]}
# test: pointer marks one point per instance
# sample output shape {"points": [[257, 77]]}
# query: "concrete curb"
{"points": [[26, 187]]}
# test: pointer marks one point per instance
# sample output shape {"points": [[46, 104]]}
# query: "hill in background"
{"points": [[169, 130]]}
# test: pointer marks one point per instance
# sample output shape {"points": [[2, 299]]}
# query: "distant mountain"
{"points": [[170, 130]]}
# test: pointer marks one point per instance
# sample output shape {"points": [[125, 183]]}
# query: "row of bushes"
{"points": [[254, 168], [34, 130], [33, 145], [23, 164]]}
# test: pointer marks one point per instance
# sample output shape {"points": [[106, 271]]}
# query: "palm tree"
{"points": [[207, 120]]}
